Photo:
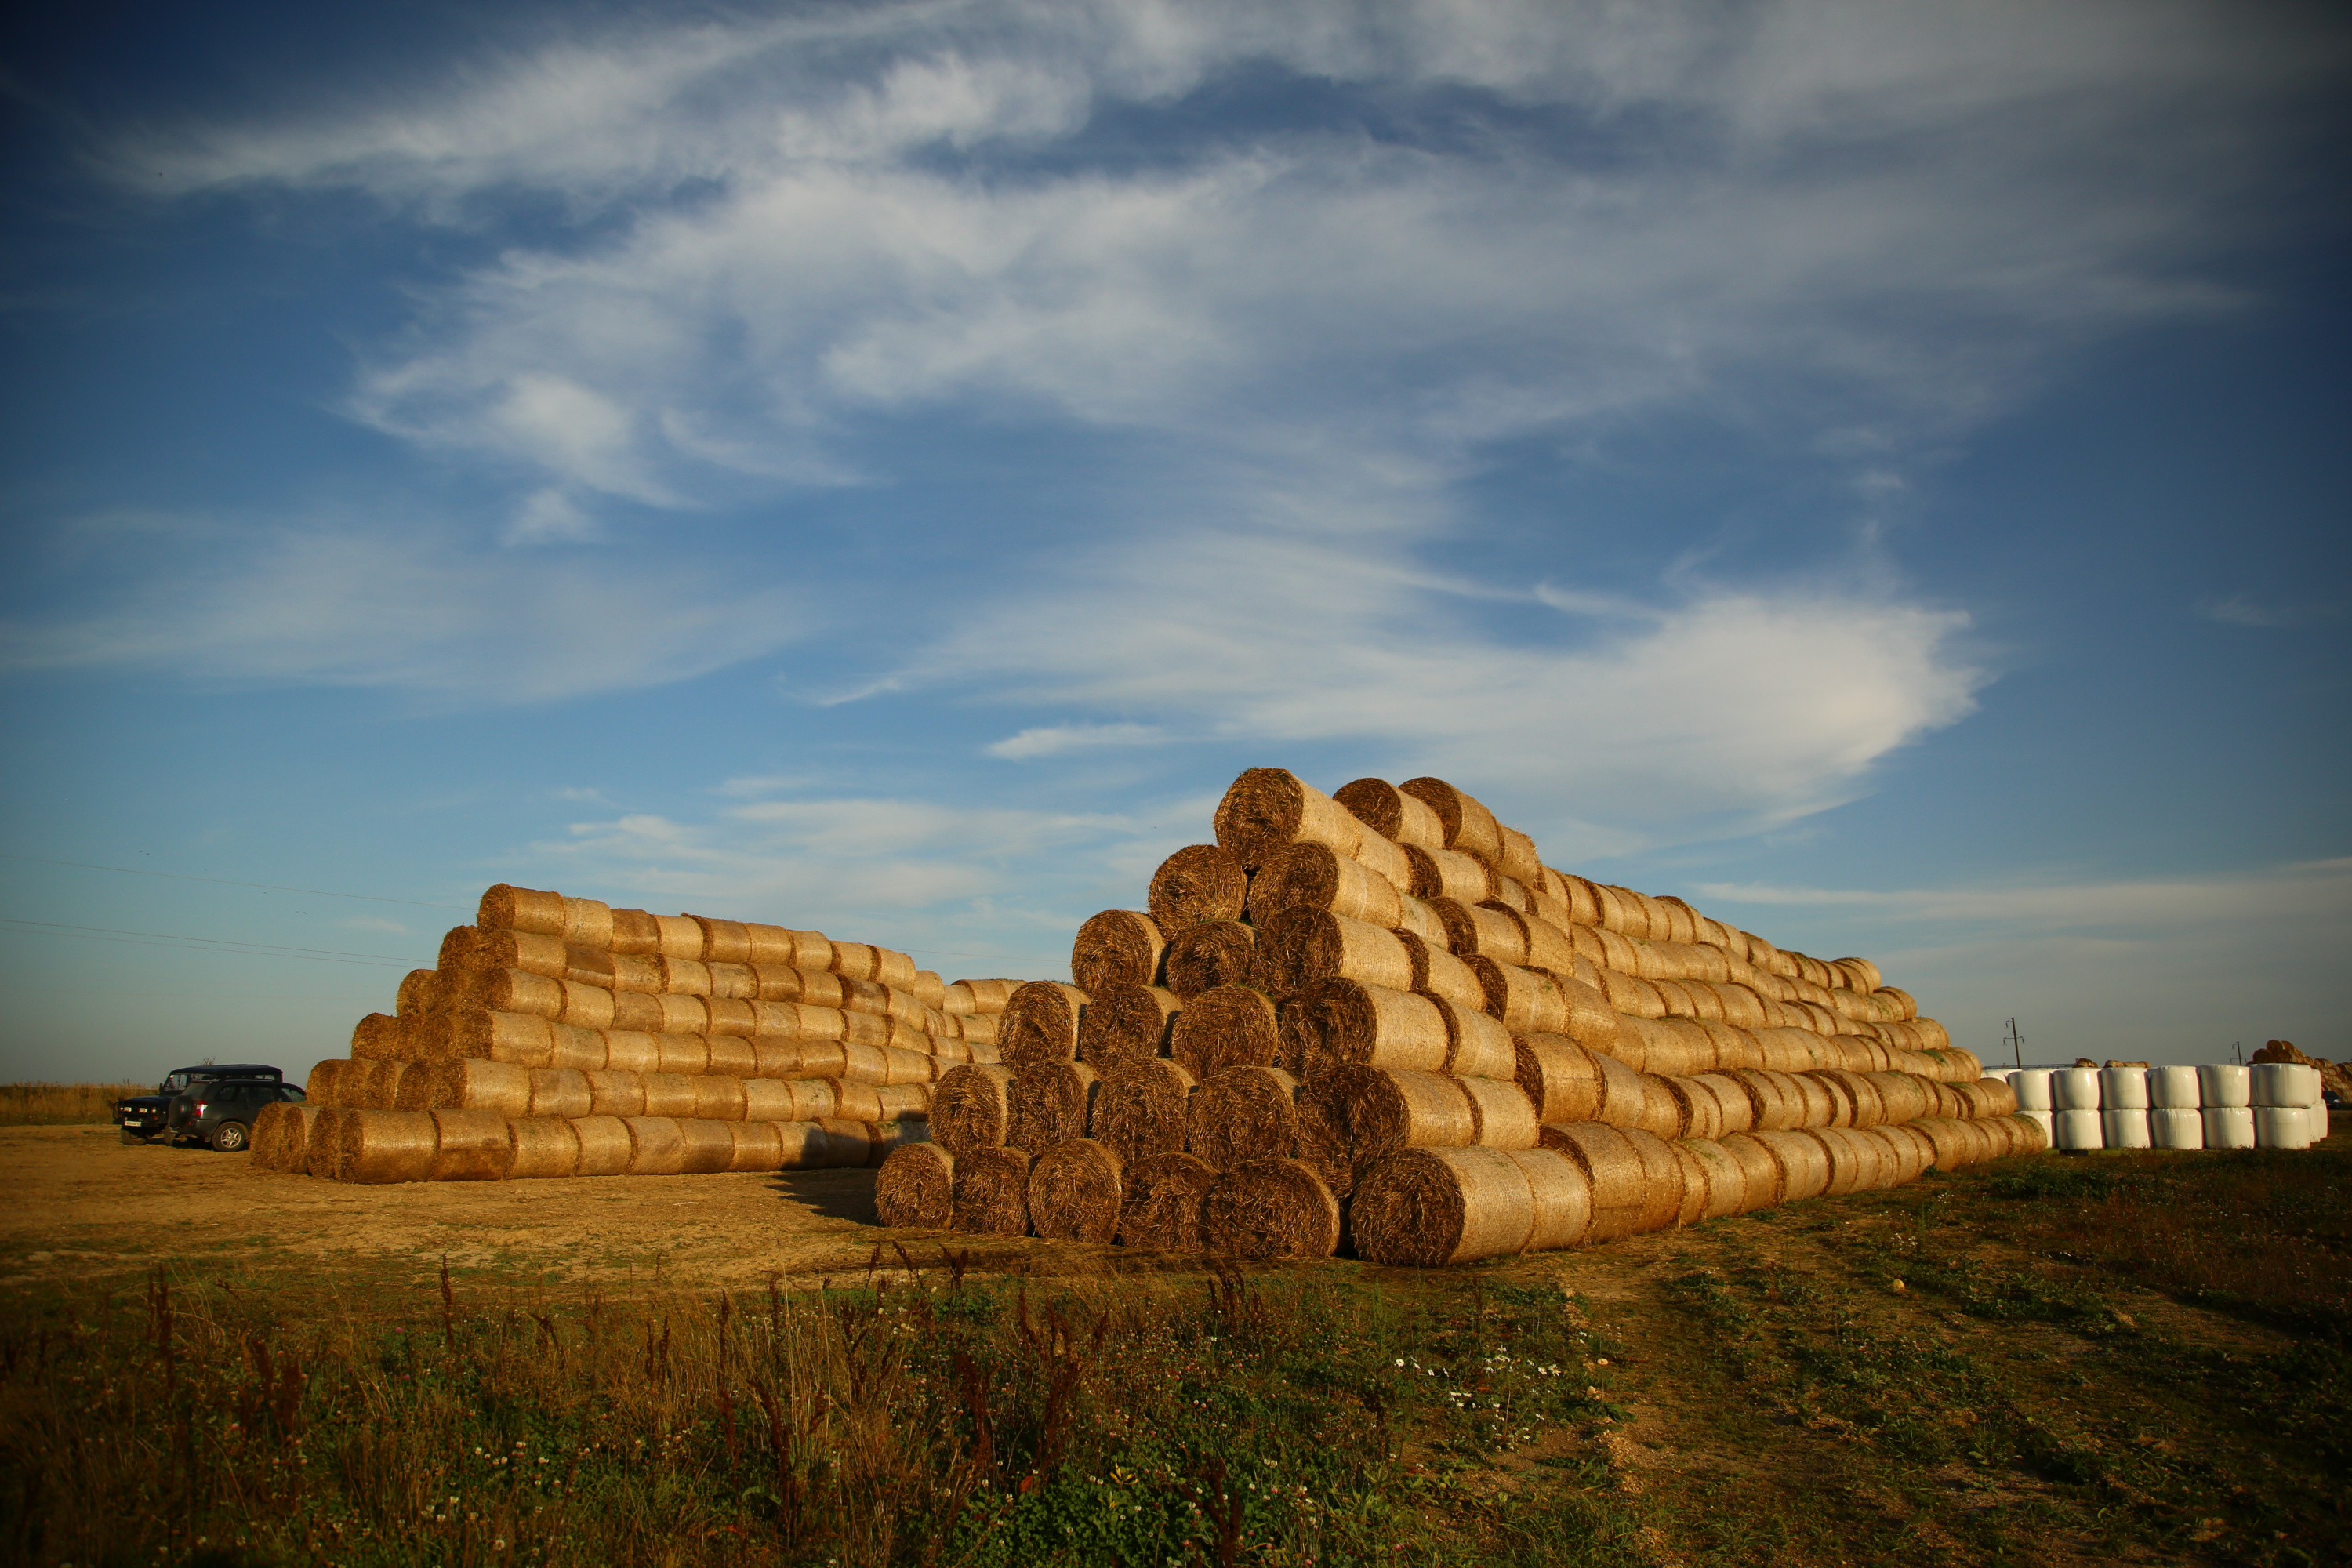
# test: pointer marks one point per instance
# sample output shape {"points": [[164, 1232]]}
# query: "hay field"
{"points": [[2128, 1358], [63, 1104]]}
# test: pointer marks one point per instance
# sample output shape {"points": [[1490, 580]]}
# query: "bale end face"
{"points": [[1271, 1209], [915, 1187]]}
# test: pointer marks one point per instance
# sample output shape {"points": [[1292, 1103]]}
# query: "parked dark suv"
{"points": [[221, 1112], [142, 1116]]}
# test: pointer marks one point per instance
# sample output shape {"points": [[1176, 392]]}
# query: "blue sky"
{"points": [[1875, 471]]}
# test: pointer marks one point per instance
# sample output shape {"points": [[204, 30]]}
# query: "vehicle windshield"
{"points": [[173, 1084]]}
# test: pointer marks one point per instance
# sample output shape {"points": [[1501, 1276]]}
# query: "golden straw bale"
{"points": [[1448, 874], [905, 1101], [1727, 1179], [657, 1147], [1902, 1095], [281, 1135], [1199, 882], [1416, 917], [1477, 1046], [1698, 1113], [857, 1103], [717, 1098], [1116, 947], [1126, 1023], [422, 994], [372, 1146], [1560, 1078], [1428, 1207], [730, 1056], [1041, 1023], [379, 1037], [559, 1092], [759, 1145], [1208, 953], [631, 1050], [856, 959], [1386, 1109], [1691, 1201], [1761, 1171], [508, 907], [324, 1086], [991, 1192], [1160, 1201], [1243, 1113], [1320, 1138], [616, 1093], [1845, 1159], [322, 1156], [541, 1148], [1049, 1103], [1436, 970], [1616, 1177], [1737, 1108], [1662, 1183], [1489, 928], [1526, 1001], [498, 1087], [1231, 1026], [1505, 1116], [1399, 817], [473, 1032], [1265, 810], [1318, 877], [1987, 1097], [1563, 1194], [1735, 1048], [1270, 1209], [1074, 1192], [915, 1187], [1468, 826], [1143, 1108], [578, 1050], [1342, 1022], [469, 1146], [972, 1107], [771, 1100], [669, 1094], [1894, 1156], [1299, 946], [705, 1146], [1515, 856]]}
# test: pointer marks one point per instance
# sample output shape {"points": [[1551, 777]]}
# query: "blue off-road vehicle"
{"points": [[142, 1116]]}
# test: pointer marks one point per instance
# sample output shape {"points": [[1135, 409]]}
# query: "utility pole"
{"points": [[2015, 1042], [2238, 1050]]}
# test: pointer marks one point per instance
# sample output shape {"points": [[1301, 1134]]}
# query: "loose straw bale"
{"points": [[1041, 1023], [1761, 1170], [972, 1107], [1266, 810], [1387, 1109], [1228, 1026], [1436, 970], [379, 1037], [541, 1148], [496, 1087], [1506, 1116], [1160, 1201], [1049, 1103], [1428, 1207], [1347, 1023], [1199, 882], [559, 1092], [1126, 1023], [605, 1145], [1142, 1109], [1448, 874], [1528, 1001], [1116, 947], [991, 1192], [1616, 1179], [1243, 1113], [915, 1187], [1074, 1192], [1318, 877], [1560, 1078], [1271, 1209], [375, 1146], [1395, 816], [1209, 953], [1299, 946], [469, 1146], [1468, 826], [422, 994]]}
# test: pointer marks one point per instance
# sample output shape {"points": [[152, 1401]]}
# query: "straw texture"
{"points": [[1126, 1023], [1394, 814], [1049, 1103], [1074, 1191], [1299, 947], [1346, 1023], [1143, 1108], [1199, 882], [1427, 1207], [1271, 1209], [991, 1192], [1040, 1025], [1161, 1201], [1229, 1026], [1244, 1113], [1116, 947]]}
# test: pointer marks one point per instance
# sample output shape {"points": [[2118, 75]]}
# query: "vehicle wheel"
{"points": [[229, 1137], [131, 1137]]}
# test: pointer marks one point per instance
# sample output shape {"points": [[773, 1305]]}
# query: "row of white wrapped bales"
{"points": [[2220, 1105]]}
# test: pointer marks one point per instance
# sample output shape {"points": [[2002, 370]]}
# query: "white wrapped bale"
{"points": [[2228, 1126], [2174, 1127], [2284, 1084], [2223, 1084], [2074, 1089], [2032, 1088], [2123, 1088], [2077, 1130], [2124, 1127], [2048, 1121], [2173, 1088], [2282, 1126]]}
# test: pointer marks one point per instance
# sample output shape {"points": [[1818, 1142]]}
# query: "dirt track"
{"points": [[82, 1204]]}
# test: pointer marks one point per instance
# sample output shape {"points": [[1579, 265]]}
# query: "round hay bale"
{"points": [[281, 1136], [972, 1107], [605, 1144], [1504, 1115], [1427, 1207], [1399, 817], [1438, 973], [903, 1101], [1903, 1096], [561, 1091], [496, 1087], [1126, 1023], [657, 1147], [1142, 1109], [727, 1016], [1270, 1209], [733, 1056], [1318, 877], [324, 1086], [1616, 1178], [1758, 1170], [1242, 1113], [1448, 874], [1041, 1023], [475, 1032], [1989, 1097], [1662, 1114], [1321, 1139], [1346, 1023], [377, 1146], [1690, 1206], [470, 1146], [717, 1098], [508, 907], [1563, 1198], [1489, 928], [1804, 1163], [1625, 1094], [991, 1192], [1162, 1197], [1209, 953], [1299, 947], [819, 1099], [682, 1055], [1863, 1106], [1526, 1001], [1199, 882], [323, 1154], [1050, 1103], [1386, 1109], [616, 1093], [1116, 947], [1266, 810], [669, 1094], [1848, 1161], [378, 1038], [1738, 1110], [1225, 1026], [629, 1050], [1468, 826], [915, 1187], [859, 1102], [1698, 1112], [542, 1148], [1074, 1192], [759, 1146], [1560, 1078], [422, 994]]}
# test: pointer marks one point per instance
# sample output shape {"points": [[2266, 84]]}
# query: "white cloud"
{"points": [[372, 922], [2238, 610], [1052, 741]]}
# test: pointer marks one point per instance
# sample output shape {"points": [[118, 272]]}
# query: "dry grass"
{"points": [[63, 1104]]}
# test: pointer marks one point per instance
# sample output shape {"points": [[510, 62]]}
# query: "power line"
{"points": [[226, 882], [199, 944]]}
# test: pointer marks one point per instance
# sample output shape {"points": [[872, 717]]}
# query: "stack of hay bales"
{"points": [[1377, 1020], [560, 1036]]}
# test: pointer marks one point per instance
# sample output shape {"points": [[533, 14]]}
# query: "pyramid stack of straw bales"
{"points": [[1377, 1021], [560, 1036]]}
